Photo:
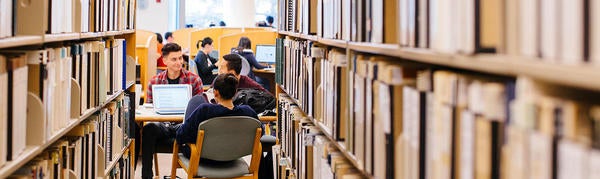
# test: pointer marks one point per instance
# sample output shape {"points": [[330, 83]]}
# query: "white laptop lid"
{"points": [[171, 98], [265, 53]]}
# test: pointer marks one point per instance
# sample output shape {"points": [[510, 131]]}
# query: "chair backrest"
{"points": [[192, 66], [245, 67], [228, 138]]}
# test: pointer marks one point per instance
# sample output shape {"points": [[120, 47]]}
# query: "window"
{"points": [[265, 8], [201, 13]]}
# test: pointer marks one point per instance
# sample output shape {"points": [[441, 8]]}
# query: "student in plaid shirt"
{"points": [[174, 74], [163, 133]]}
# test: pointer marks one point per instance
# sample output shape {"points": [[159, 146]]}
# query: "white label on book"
{"points": [[572, 158], [467, 143], [540, 154], [594, 164], [385, 102]]}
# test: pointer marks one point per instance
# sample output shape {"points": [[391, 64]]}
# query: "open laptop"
{"points": [[265, 54], [171, 99]]}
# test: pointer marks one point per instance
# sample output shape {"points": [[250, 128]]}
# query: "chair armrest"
{"points": [[267, 142], [256, 153]]}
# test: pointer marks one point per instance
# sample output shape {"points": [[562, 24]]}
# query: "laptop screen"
{"points": [[171, 97], [265, 54]]}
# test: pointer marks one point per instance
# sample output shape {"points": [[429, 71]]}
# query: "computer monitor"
{"points": [[265, 54], [172, 98]]}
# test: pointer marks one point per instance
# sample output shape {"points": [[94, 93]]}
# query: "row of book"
{"points": [[115, 126], [39, 83], [406, 120], [318, 84], [304, 152], [66, 16], [86, 150], [79, 154], [101, 68], [556, 31]]}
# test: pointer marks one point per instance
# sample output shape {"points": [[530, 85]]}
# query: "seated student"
{"points": [[159, 46], [232, 63], [270, 21], [224, 90], [169, 37], [162, 132], [245, 49], [204, 62]]}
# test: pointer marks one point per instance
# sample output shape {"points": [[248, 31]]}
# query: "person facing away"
{"points": [[204, 62], [222, 24], [163, 133], [270, 21], [245, 49], [232, 63], [169, 37], [224, 90]]}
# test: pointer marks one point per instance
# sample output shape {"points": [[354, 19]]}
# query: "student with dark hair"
{"points": [[245, 50], [169, 37], [224, 90], [204, 62], [161, 133], [222, 24], [232, 63], [270, 21]]}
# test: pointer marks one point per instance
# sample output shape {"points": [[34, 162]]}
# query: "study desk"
{"points": [[267, 74]]}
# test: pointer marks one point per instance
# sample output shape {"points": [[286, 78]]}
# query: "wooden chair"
{"points": [[223, 141]]}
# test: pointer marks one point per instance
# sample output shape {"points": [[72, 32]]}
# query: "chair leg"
{"points": [[156, 171], [174, 166]]}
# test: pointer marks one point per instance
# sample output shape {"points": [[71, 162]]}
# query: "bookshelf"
{"points": [[498, 64], [60, 37], [32, 151], [126, 148], [66, 117], [19, 41], [440, 89]]}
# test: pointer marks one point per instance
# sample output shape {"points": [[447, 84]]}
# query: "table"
{"points": [[268, 74]]}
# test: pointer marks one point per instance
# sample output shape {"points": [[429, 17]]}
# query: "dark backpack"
{"points": [[256, 99]]}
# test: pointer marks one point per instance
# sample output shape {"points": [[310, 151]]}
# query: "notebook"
{"points": [[265, 54], [171, 99]]}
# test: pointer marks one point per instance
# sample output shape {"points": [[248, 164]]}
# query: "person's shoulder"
{"points": [[244, 78], [156, 78], [189, 74], [246, 109]]}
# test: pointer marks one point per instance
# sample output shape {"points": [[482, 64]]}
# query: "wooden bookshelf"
{"points": [[112, 33], [575, 76], [60, 37], [128, 31], [85, 35], [326, 131], [498, 64], [33, 151], [116, 158], [299, 35], [333, 42], [20, 41]]}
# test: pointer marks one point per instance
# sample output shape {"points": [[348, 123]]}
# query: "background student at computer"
{"points": [[244, 48]]}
